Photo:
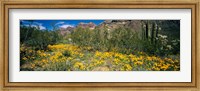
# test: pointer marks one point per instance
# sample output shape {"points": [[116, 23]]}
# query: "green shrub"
{"points": [[38, 39], [122, 40]]}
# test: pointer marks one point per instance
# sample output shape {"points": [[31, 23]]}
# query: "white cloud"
{"points": [[36, 26], [28, 22], [37, 23], [66, 25], [23, 21], [26, 25], [59, 23], [42, 27]]}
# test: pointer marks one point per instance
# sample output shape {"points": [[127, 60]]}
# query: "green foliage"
{"points": [[125, 41], [105, 40], [38, 39], [82, 37]]}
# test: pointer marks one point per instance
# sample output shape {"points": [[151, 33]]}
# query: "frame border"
{"points": [[6, 5]]}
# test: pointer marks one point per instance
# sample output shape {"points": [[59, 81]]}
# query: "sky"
{"points": [[47, 24]]}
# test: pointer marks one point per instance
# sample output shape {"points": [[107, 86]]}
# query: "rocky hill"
{"points": [[135, 25], [65, 31], [68, 30], [114, 24], [89, 25]]}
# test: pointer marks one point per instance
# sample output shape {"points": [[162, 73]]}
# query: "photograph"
{"points": [[99, 45]]}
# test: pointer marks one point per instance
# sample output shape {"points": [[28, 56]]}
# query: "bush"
{"points": [[38, 39], [122, 40]]}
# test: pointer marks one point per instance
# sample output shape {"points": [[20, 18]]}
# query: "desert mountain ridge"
{"points": [[135, 25], [108, 24]]}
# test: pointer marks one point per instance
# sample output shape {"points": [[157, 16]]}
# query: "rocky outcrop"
{"points": [[89, 25], [64, 31], [134, 25]]}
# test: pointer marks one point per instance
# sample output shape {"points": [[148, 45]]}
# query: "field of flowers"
{"points": [[111, 45], [69, 57]]}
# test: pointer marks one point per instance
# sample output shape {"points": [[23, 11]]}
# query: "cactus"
{"points": [[154, 30], [147, 30], [157, 29], [152, 33], [143, 31]]}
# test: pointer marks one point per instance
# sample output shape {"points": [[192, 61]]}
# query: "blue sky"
{"points": [[47, 24]]}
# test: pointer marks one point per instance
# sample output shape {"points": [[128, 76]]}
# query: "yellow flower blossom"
{"points": [[79, 65], [128, 67]]}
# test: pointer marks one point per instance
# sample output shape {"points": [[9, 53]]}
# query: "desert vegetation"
{"points": [[116, 45]]}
